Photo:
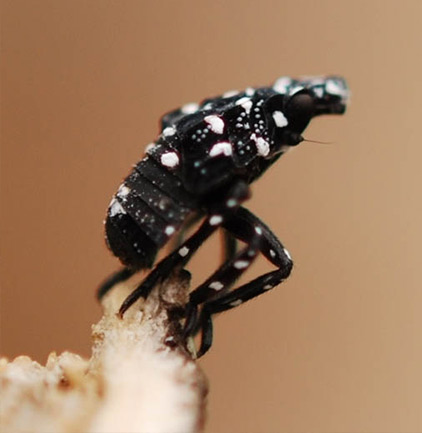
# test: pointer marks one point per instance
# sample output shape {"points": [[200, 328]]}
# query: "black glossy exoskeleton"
{"points": [[201, 165]]}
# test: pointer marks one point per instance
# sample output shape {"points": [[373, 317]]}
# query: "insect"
{"points": [[201, 166]]}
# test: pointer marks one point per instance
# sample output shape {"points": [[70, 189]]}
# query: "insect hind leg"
{"points": [[247, 227]]}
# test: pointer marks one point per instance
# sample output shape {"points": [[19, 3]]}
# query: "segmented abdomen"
{"points": [[150, 205]]}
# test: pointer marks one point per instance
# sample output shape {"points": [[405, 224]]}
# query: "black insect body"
{"points": [[201, 165]]}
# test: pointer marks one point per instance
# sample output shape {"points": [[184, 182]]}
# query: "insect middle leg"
{"points": [[247, 227], [180, 256]]}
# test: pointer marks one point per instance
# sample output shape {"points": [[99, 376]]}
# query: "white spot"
{"points": [[169, 230], [207, 106], [235, 303], [282, 84], [280, 119], [268, 287], [221, 148], [216, 285], [249, 91], [123, 191], [241, 264], [230, 93], [190, 108], [258, 230], [272, 253], [149, 147], [170, 159], [184, 251], [245, 103], [216, 219], [262, 145], [167, 132], [231, 202], [319, 91], [287, 254], [216, 123], [116, 208], [333, 88]]}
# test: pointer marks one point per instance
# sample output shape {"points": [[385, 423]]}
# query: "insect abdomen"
{"points": [[150, 205]]}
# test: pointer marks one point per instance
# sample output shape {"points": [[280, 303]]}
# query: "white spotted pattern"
{"points": [[319, 91], [262, 146], [280, 119], [216, 285], [241, 264], [123, 191], [249, 91], [170, 159], [169, 230], [116, 208], [230, 93], [267, 287], [282, 84], [333, 88], [190, 108], [221, 148], [183, 251], [287, 254], [169, 131], [216, 123], [216, 219], [245, 103]]}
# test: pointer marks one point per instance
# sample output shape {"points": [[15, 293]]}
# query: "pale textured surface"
{"points": [[134, 382]]}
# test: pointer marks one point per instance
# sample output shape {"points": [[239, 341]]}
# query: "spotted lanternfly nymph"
{"points": [[201, 166]]}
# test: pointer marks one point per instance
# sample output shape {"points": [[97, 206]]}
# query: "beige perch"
{"points": [[141, 376]]}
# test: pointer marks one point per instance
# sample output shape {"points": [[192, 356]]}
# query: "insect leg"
{"points": [[115, 278], [242, 226], [180, 237], [229, 245], [181, 256], [219, 283], [178, 257]]}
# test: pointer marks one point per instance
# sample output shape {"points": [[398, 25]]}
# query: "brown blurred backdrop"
{"points": [[337, 348]]}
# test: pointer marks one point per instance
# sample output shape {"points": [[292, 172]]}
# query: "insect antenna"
{"points": [[318, 142]]}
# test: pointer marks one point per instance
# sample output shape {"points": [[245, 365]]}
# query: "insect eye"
{"points": [[300, 109], [301, 104]]}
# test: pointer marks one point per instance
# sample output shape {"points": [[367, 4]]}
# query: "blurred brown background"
{"points": [[337, 348]]}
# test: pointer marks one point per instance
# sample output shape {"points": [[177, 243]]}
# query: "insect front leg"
{"points": [[182, 254], [247, 227]]}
